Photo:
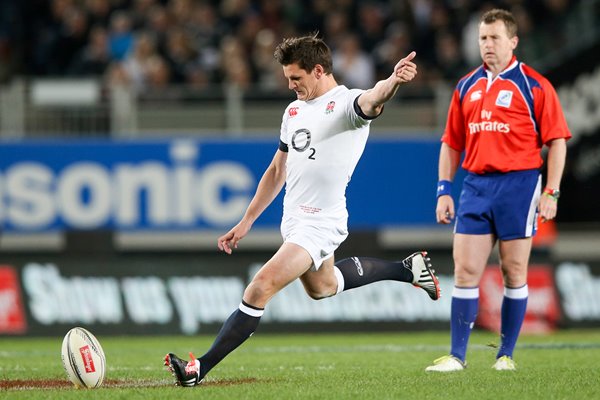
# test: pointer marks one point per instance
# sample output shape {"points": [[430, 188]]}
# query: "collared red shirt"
{"points": [[502, 124]]}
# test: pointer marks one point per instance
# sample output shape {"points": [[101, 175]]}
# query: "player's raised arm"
{"points": [[371, 102]]}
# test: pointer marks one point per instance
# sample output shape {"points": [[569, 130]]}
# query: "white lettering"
{"points": [[579, 289], [182, 195], [488, 126], [88, 195], [579, 101], [29, 195], [84, 195], [146, 300], [55, 299], [204, 300], [216, 178], [151, 179]]}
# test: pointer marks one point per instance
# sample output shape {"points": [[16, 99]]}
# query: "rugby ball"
{"points": [[83, 358]]}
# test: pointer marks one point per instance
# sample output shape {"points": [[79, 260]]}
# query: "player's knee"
{"points": [[259, 291], [315, 295], [320, 292], [515, 277]]}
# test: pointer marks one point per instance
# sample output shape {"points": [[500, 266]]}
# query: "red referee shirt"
{"points": [[501, 124]]}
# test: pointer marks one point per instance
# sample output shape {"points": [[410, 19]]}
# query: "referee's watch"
{"points": [[553, 193]]}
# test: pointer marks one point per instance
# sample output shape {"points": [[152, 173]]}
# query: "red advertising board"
{"points": [[543, 305], [12, 313]]}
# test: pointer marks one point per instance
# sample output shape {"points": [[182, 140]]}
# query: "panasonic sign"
{"points": [[163, 186]]}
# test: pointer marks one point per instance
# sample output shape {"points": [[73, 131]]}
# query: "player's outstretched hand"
{"points": [[406, 70], [229, 241]]}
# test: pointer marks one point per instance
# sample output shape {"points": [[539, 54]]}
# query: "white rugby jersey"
{"points": [[325, 138]]}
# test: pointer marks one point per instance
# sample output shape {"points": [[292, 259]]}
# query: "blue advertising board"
{"points": [[192, 184]]}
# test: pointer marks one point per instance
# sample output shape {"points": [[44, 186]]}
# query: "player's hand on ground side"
{"points": [[406, 70], [229, 241], [444, 212]]}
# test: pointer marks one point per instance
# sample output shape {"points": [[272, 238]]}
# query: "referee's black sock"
{"points": [[239, 326], [359, 271]]}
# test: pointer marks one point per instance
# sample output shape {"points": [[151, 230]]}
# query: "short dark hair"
{"points": [[306, 51], [505, 16]]}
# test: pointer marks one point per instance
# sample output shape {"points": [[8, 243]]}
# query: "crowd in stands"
{"points": [[153, 43]]}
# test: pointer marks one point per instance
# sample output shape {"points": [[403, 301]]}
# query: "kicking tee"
{"points": [[324, 137]]}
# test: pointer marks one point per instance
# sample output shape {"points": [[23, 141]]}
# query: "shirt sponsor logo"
{"points": [[476, 95], [488, 126], [301, 140], [504, 98], [293, 111]]}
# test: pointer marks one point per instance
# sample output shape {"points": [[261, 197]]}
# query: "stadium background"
{"points": [[133, 133]]}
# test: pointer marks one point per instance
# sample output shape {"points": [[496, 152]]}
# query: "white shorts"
{"points": [[319, 239]]}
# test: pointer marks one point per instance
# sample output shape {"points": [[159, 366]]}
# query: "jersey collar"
{"points": [[512, 64]]}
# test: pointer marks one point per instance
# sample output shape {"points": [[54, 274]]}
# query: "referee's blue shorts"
{"points": [[503, 204]]}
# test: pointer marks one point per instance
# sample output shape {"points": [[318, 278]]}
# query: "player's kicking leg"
{"points": [[285, 266], [355, 272]]}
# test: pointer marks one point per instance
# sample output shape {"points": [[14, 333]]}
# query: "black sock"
{"points": [[360, 271], [239, 326]]}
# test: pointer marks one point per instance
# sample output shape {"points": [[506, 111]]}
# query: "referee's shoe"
{"points": [[423, 273]]}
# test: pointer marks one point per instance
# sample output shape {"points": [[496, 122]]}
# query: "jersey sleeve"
{"points": [[454, 134], [549, 113], [283, 136], [356, 119]]}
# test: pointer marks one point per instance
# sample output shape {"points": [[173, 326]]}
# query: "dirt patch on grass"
{"points": [[22, 384], [229, 382]]}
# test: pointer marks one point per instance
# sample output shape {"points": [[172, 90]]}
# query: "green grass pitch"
{"points": [[563, 365]]}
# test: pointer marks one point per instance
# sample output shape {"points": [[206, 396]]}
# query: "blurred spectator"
{"points": [[271, 12], [72, 37], [98, 12], [233, 12], [94, 57], [249, 27], [180, 54], [136, 62], [396, 45], [337, 26], [470, 33], [196, 37], [11, 32], [234, 63], [371, 24], [269, 76], [353, 67], [159, 22], [157, 72], [120, 35], [140, 12], [207, 28], [448, 58]]}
